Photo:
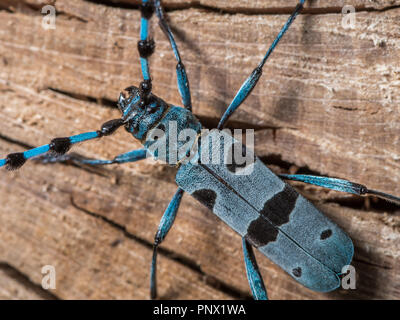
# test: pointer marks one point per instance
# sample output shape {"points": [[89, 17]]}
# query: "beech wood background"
{"points": [[327, 103]]}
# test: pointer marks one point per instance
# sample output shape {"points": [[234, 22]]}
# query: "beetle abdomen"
{"points": [[282, 224]]}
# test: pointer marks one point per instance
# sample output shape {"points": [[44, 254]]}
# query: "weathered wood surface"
{"points": [[328, 103]]}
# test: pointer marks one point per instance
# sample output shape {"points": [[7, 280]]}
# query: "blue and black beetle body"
{"points": [[264, 210]]}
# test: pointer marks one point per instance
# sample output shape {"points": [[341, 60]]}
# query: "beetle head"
{"points": [[141, 110]]}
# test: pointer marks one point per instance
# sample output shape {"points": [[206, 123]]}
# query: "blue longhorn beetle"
{"points": [[267, 213]]}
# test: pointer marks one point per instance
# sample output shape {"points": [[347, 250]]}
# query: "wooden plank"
{"points": [[42, 224], [259, 6], [14, 286], [329, 95]]}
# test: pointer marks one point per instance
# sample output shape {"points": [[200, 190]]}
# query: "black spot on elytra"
{"points": [[238, 150], [279, 207], [326, 234], [206, 197], [297, 272], [260, 232]]}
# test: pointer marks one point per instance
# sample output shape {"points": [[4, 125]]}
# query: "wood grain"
{"points": [[327, 103]]}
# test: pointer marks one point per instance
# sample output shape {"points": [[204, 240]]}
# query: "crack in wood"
{"points": [[358, 260], [244, 10], [363, 203], [210, 280], [207, 122], [345, 108], [25, 281], [200, 6], [100, 101], [24, 7], [347, 201]]}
